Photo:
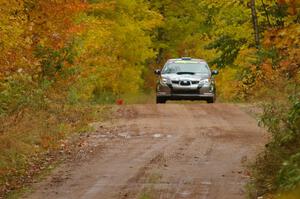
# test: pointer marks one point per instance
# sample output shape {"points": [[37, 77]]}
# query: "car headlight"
{"points": [[164, 81], [205, 82]]}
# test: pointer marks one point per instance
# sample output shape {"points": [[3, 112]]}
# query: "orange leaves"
{"points": [[52, 19], [282, 1], [293, 7], [290, 3], [45, 141], [276, 65], [26, 25], [268, 71], [286, 41], [76, 6], [76, 29]]}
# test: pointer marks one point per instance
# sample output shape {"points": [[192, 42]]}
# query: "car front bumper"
{"points": [[203, 93], [205, 96]]}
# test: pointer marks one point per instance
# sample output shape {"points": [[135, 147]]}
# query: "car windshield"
{"points": [[185, 67]]}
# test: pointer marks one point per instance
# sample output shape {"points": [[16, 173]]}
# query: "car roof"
{"points": [[186, 59]]}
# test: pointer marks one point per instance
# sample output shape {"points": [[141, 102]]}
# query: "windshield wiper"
{"points": [[185, 73]]}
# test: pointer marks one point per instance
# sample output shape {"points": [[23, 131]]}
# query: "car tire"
{"points": [[210, 100], [160, 100]]}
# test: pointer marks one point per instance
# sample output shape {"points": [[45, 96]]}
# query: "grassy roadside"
{"points": [[33, 141], [276, 171]]}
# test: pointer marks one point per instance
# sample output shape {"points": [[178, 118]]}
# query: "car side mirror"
{"points": [[157, 72], [214, 72]]}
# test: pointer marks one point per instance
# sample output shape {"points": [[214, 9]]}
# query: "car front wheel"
{"points": [[160, 100], [210, 100]]}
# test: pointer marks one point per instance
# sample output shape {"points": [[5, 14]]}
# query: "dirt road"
{"points": [[162, 152]]}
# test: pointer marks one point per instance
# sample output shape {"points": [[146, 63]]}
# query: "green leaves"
{"points": [[229, 49], [278, 167], [289, 175], [54, 61]]}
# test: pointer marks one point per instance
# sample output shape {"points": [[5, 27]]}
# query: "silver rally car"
{"points": [[186, 79]]}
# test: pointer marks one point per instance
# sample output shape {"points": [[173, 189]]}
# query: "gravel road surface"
{"points": [[165, 151]]}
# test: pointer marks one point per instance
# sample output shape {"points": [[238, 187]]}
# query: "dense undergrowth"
{"points": [[34, 139], [277, 169]]}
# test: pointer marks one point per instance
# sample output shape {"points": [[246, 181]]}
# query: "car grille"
{"points": [[185, 83], [192, 82], [187, 91]]}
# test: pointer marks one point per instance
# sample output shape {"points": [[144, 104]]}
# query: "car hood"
{"points": [[176, 77]]}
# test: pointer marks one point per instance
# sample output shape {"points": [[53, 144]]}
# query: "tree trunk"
{"points": [[266, 12], [255, 23]]}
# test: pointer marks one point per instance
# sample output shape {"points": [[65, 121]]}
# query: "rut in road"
{"points": [[163, 152]]}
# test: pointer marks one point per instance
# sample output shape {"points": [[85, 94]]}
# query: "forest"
{"points": [[59, 59]]}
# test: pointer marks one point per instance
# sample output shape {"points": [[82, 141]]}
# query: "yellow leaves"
{"points": [[12, 28], [95, 34], [246, 58], [152, 20], [196, 46], [294, 194], [227, 84], [115, 43], [130, 80], [11, 25], [111, 5]]}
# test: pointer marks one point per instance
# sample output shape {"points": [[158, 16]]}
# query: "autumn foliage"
{"points": [[56, 58]]}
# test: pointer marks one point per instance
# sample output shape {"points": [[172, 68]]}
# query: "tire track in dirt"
{"points": [[164, 151]]}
